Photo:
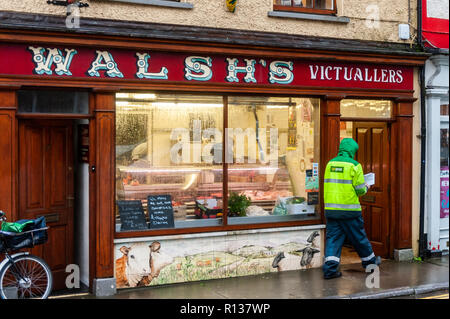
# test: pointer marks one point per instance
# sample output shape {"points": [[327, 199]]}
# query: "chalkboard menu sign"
{"points": [[313, 198], [160, 211], [132, 216]]}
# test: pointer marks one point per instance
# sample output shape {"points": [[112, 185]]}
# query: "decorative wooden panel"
{"points": [[57, 186], [329, 135], [8, 152], [403, 173], [103, 159], [33, 160]]}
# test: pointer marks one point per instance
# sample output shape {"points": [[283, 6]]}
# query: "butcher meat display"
{"points": [[266, 195]]}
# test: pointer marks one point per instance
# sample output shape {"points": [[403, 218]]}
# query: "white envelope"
{"points": [[369, 178]]}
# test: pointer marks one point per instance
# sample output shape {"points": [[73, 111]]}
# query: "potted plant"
{"points": [[237, 204]]}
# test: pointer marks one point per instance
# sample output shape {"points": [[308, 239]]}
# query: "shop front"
{"points": [[158, 162]]}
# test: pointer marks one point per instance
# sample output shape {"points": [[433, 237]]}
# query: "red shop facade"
{"points": [[93, 122]]}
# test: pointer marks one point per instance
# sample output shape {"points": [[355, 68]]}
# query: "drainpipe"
{"points": [[423, 131]]}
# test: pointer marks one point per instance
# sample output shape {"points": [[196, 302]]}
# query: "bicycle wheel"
{"points": [[30, 276]]}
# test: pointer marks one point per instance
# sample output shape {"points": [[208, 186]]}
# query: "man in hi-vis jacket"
{"points": [[343, 185]]}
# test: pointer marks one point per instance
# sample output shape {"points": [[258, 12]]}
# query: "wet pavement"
{"points": [[396, 279], [440, 294]]}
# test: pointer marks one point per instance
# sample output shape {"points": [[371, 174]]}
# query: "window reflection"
{"points": [[366, 108], [275, 143], [171, 145]]}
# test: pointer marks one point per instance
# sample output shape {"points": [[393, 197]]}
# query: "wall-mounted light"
{"points": [[68, 3]]}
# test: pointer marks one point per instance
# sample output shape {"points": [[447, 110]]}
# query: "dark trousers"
{"points": [[337, 231]]}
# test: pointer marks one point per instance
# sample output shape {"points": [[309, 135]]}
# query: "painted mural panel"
{"points": [[158, 262]]}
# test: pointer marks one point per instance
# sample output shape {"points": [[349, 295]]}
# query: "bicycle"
{"points": [[22, 275]]}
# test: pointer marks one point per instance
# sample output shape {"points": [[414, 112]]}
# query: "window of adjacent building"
{"points": [[171, 146], [444, 136], [307, 6], [366, 108], [444, 173]]}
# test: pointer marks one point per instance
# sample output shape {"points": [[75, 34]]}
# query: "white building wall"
{"points": [[437, 91]]}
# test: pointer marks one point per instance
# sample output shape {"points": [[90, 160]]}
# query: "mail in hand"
{"points": [[369, 179]]}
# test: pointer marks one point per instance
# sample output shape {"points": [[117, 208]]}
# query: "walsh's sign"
{"points": [[175, 67]]}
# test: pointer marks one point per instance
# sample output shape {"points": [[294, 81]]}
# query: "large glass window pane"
{"points": [[366, 108], [324, 4], [168, 145], [53, 101], [273, 155]]}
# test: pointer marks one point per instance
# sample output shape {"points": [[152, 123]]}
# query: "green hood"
{"points": [[348, 148]]}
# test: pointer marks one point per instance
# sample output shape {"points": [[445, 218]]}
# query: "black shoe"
{"points": [[335, 275]]}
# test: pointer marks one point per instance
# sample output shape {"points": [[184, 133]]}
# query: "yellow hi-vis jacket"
{"points": [[344, 183]]}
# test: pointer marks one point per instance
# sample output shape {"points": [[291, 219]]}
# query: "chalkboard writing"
{"points": [[160, 211], [132, 215]]}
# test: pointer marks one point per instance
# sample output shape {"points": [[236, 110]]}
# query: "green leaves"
{"points": [[237, 204]]}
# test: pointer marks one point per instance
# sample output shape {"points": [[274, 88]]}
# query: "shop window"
{"points": [[306, 6], [370, 109], [53, 101], [169, 145], [273, 172]]}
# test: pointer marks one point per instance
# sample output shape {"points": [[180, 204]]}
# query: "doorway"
{"points": [[373, 155], [46, 188]]}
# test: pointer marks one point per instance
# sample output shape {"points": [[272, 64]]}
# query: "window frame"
{"points": [[317, 219], [291, 8]]}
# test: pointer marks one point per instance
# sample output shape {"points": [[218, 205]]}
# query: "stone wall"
{"points": [[250, 15]]}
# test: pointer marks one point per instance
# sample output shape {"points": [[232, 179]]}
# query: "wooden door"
{"points": [[373, 154], [46, 189]]}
